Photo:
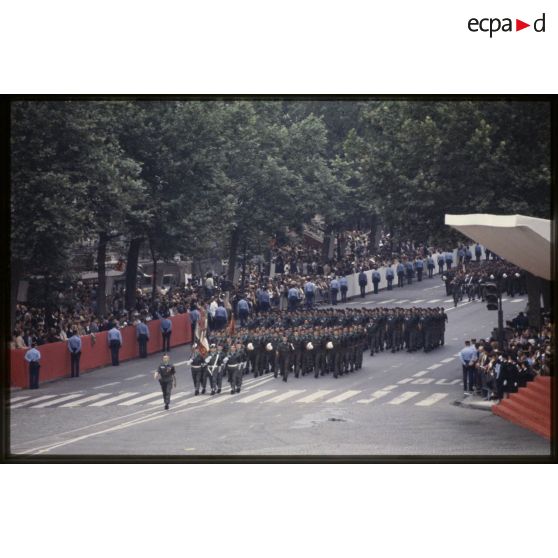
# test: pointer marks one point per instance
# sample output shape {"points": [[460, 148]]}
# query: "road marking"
{"points": [[402, 301], [283, 396], [194, 399], [314, 396], [404, 397], [106, 385], [417, 301], [20, 398], [113, 399], [142, 398], [58, 400], [434, 366], [256, 395], [85, 400], [446, 360], [377, 395], [135, 377], [387, 301], [405, 381], [435, 300], [343, 396], [174, 396], [423, 381], [421, 373], [449, 300], [434, 398], [518, 300], [33, 401], [444, 382], [505, 299]]}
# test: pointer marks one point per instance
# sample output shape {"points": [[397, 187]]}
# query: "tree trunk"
{"points": [[233, 249], [243, 266], [132, 272], [15, 276], [154, 276], [101, 274]]}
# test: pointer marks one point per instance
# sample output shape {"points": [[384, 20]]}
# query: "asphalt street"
{"points": [[397, 404]]}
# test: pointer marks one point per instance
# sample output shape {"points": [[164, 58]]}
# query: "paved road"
{"points": [[398, 404]]}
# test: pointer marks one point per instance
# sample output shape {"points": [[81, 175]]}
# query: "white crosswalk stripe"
{"points": [[57, 400], [191, 400], [378, 394], [449, 300], [387, 301], [417, 301], [444, 382], [315, 396], [402, 301], [257, 395], [403, 397], [33, 401], [430, 400], [20, 398], [516, 300], [78, 402], [434, 366], [119, 397], [174, 397], [286, 395], [446, 360], [435, 300], [421, 373], [422, 381], [505, 299], [343, 396], [405, 381], [142, 398]]}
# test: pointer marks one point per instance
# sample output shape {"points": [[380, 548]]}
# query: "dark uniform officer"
{"points": [[166, 377], [375, 280], [212, 370], [33, 357], [197, 364], [234, 367], [284, 351]]}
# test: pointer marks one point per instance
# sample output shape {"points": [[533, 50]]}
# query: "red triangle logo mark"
{"points": [[519, 25]]}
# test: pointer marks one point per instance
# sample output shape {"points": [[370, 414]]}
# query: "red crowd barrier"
{"points": [[55, 357]]}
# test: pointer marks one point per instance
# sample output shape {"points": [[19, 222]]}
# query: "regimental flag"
{"points": [[201, 334], [232, 326]]}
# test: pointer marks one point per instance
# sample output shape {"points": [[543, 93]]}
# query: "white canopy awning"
{"points": [[524, 241]]}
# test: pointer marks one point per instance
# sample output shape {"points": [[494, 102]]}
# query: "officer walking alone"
{"points": [[166, 375], [115, 342], [74, 346], [33, 357]]}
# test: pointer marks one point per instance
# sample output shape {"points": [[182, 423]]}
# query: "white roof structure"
{"points": [[524, 241]]}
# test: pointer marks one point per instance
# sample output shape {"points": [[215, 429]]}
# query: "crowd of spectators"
{"points": [[527, 354]]}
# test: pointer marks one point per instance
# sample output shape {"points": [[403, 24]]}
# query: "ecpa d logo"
{"points": [[492, 25]]}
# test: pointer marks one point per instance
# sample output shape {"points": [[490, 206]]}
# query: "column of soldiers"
{"points": [[313, 342]]}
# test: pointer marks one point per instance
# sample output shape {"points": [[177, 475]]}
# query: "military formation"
{"points": [[312, 342]]}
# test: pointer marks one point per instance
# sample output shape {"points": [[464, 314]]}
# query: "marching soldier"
{"points": [[284, 351], [166, 375], [197, 364], [234, 368]]}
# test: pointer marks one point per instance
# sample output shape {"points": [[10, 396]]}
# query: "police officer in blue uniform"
{"points": [[376, 280], [243, 309], [400, 274], [419, 266], [309, 291], [142, 335], [344, 287], [74, 346], [441, 263], [166, 331], [114, 339], [221, 317], [478, 252], [362, 282], [389, 277], [430, 265], [33, 357], [293, 298], [334, 289]]}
